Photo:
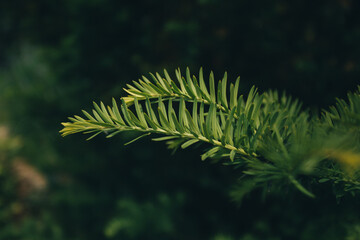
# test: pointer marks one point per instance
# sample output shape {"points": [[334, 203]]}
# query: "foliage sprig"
{"points": [[267, 134]]}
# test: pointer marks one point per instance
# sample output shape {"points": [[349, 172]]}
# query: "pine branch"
{"points": [[217, 124], [267, 133]]}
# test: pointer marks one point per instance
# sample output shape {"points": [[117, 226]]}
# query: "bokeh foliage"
{"points": [[55, 56]]}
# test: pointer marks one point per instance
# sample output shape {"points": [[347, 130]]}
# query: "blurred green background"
{"points": [[56, 57]]}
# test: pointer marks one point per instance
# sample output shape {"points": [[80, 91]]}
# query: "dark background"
{"points": [[56, 57]]}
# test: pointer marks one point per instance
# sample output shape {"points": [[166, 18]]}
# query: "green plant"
{"points": [[269, 136]]}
